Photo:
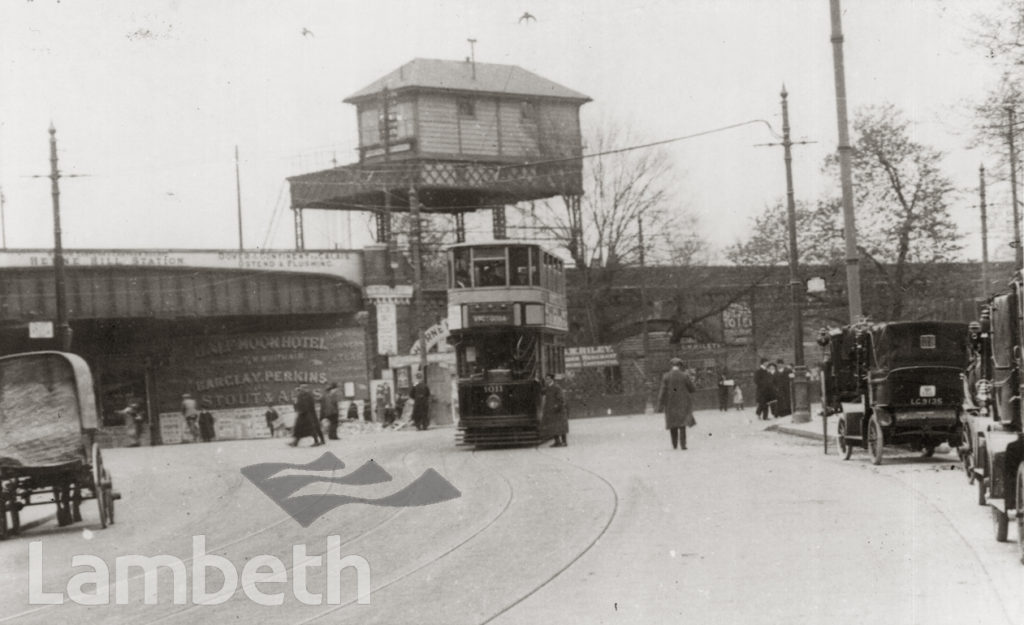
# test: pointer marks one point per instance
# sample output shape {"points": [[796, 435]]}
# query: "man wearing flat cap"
{"points": [[676, 399]]}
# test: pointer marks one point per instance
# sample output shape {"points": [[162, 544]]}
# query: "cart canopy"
{"points": [[46, 403]]}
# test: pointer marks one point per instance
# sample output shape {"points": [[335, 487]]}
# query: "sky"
{"points": [[151, 97]]}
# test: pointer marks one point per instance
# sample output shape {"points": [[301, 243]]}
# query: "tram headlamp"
{"points": [[885, 417], [493, 402]]}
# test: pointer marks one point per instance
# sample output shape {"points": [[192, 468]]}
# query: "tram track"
{"points": [[580, 554], [510, 497]]}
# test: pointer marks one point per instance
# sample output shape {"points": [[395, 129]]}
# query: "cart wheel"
{"points": [[108, 494], [982, 500], [97, 483], [876, 440], [1020, 517], [76, 503], [845, 449], [1002, 523], [61, 496]]}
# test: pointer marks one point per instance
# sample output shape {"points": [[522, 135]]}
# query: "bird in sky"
{"points": [[527, 17], [307, 33]]}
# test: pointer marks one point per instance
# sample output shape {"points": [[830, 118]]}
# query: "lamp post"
{"points": [[801, 398]]}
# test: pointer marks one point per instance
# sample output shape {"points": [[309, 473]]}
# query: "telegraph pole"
{"points": [[1013, 192], [238, 198], [845, 171], [3, 221], [63, 329], [801, 398], [648, 405], [984, 234], [417, 277]]}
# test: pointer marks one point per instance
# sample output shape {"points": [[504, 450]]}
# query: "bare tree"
{"points": [[622, 188], [902, 199]]}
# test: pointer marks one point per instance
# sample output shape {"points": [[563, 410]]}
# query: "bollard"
{"points": [[824, 430]]}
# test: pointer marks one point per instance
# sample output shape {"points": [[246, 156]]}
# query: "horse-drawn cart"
{"points": [[49, 452]]}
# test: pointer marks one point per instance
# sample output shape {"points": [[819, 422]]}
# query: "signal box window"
{"points": [[466, 107]]}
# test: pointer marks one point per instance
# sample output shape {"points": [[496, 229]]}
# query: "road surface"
{"points": [[746, 526]]}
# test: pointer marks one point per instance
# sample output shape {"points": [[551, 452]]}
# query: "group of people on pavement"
{"points": [[772, 389], [307, 422]]}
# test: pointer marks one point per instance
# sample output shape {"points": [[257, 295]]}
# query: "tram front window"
{"points": [[507, 357], [461, 278], [489, 267]]}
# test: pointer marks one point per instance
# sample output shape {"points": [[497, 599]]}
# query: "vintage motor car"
{"points": [[896, 383]]}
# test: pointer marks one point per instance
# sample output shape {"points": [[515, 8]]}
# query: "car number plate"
{"points": [[927, 391]]}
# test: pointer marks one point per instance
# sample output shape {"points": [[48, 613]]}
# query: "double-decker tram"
{"points": [[507, 320]]}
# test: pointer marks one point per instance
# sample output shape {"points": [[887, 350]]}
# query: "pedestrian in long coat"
{"points": [[420, 403], [305, 418], [554, 414], [329, 410], [784, 405], [764, 390], [676, 400]]}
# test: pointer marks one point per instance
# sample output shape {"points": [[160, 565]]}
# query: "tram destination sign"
{"points": [[490, 318]]}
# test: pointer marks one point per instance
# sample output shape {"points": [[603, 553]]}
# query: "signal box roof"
{"points": [[491, 78]]}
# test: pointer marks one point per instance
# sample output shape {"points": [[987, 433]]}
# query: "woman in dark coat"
{"points": [[305, 418], [676, 399], [553, 412]]}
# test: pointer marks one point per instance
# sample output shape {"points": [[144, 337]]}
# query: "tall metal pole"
{"points": [[238, 198], [3, 220], [984, 234], [1013, 192], [801, 399], [417, 277], [845, 173], [648, 404], [63, 329]]}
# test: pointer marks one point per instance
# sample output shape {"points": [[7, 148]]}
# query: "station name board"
{"points": [[344, 264]]}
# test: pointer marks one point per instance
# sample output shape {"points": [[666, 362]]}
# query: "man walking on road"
{"points": [[676, 399]]}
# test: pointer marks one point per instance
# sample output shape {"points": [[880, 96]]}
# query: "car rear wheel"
{"points": [[845, 449], [876, 440], [1002, 524]]}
